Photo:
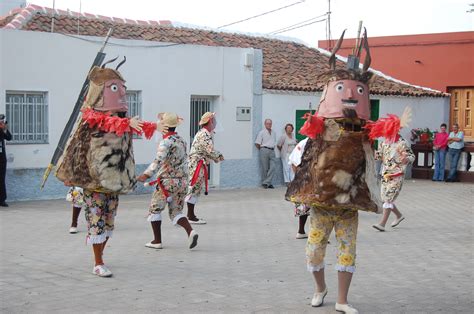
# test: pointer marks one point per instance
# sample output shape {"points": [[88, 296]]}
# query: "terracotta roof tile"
{"points": [[4, 20], [286, 65]]}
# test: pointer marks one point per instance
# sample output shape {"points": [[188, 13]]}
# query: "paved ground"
{"points": [[247, 259]]}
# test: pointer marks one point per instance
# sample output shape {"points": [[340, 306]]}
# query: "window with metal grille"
{"points": [[27, 116], [134, 100], [199, 106]]}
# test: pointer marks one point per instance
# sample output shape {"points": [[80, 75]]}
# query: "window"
{"points": [[461, 110], [456, 108], [467, 110], [134, 100], [199, 106], [27, 116]]}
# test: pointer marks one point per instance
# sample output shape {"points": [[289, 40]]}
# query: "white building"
{"points": [[244, 79]]}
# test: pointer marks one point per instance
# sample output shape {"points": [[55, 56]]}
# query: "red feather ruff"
{"points": [[387, 128], [116, 125], [313, 126]]}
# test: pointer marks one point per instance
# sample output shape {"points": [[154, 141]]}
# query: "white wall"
{"points": [[167, 77], [428, 112]]}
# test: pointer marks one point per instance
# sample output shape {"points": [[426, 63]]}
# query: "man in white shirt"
{"points": [[455, 144], [265, 143]]}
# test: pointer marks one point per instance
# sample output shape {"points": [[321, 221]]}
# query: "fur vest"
{"points": [[98, 161], [337, 171]]}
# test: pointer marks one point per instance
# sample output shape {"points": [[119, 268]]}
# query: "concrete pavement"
{"points": [[247, 259]]}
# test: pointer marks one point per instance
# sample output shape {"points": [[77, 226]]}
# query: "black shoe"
{"points": [[271, 186], [3, 204], [448, 180], [455, 180], [264, 186]]}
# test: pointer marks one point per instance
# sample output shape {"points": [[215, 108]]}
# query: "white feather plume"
{"points": [[406, 117]]}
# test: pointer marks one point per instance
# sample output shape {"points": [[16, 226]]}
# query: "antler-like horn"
{"points": [[110, 61], [367, 59], [122, 62], [332, 58]]}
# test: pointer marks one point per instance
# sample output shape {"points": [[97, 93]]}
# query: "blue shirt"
{"points": [[457, 145]]}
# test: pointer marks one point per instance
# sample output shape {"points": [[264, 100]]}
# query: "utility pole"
{"points": [[52, 18], [329, 26], [79, 17]]}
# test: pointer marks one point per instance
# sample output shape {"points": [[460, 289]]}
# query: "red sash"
{"points": [[162, 188], [200, 165], [158, 180]]}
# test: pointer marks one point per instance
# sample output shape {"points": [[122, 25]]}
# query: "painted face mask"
{"points": [[107, 90], [345, 98], [115, 96]]}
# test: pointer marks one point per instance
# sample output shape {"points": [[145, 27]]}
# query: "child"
{"points": [[75, 195]]}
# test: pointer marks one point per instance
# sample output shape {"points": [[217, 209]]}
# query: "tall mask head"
{"points": [[107, 90], [346, 94]]}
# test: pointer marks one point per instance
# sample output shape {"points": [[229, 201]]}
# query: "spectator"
{"points": [[4, 135], [455, 144], [286, 144], [440, 146], [265, 143]]}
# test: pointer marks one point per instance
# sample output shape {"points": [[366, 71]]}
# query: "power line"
{"points": [[282, 30], [297, 24], [290, 29], [262, 14], [121, 45]]}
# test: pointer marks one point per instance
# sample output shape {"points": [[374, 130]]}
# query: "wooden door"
{"points": [[461, 111]]}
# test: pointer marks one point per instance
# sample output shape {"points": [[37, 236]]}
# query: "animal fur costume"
{"points": [[99, 154], [337, 170]]}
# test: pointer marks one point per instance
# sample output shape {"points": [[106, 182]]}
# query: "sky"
{"points": [[380, 17]]}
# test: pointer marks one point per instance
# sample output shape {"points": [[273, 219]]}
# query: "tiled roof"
{"points": [[4, 20], [286, 65]]}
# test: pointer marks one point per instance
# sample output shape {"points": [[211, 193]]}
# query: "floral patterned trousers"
{"points": [[322, 221], [100, 210], [391, 187], [176, 190], [194, 191]]}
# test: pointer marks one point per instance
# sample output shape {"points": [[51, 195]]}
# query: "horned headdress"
{"points": [[98, 76], [346, 94], [99, 154]]}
